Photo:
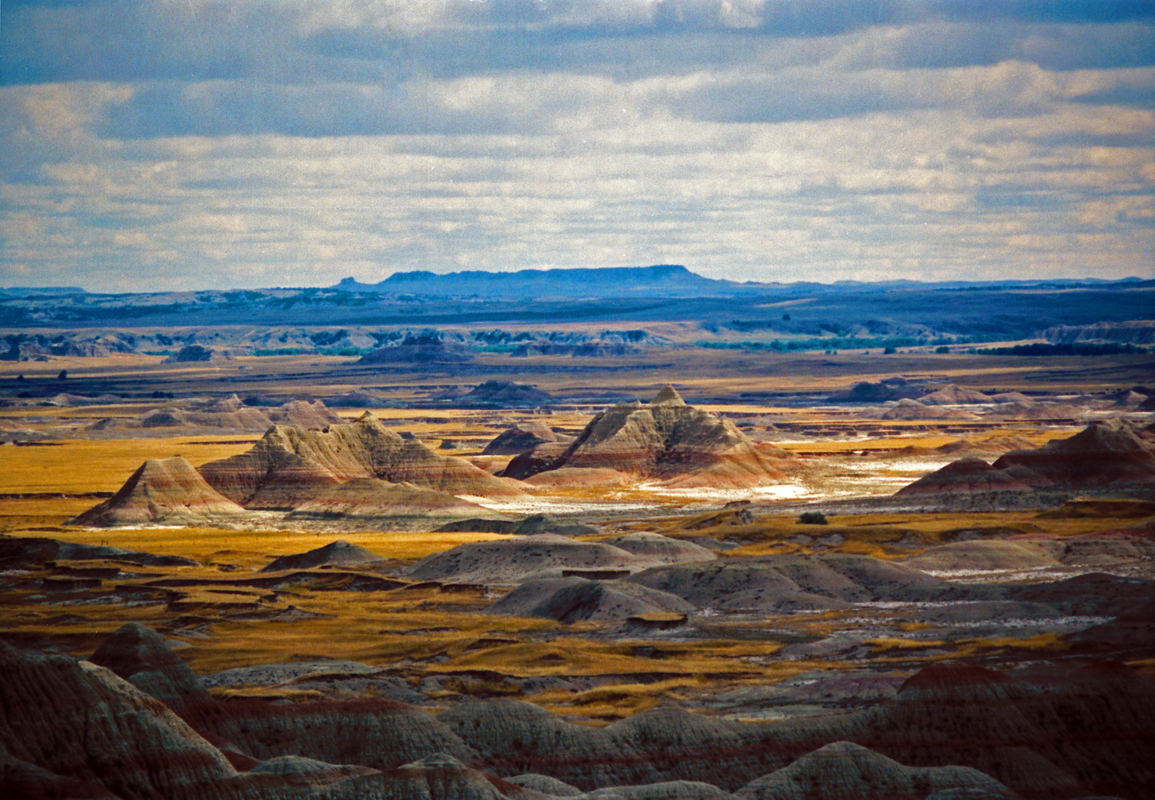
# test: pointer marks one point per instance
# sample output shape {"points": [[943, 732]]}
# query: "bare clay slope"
{"points": [[161, 490], [664, 440], [289, 466]]}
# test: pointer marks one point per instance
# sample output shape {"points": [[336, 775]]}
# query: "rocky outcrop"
{"points": [[373, 733], [907, 408], [1111, 453], [139, 654], [952, 395], [161, 490], [427, 347], [790, 583], [507, 561], [503, 394], [82, 723], [23, 551], [665, 440], [337, 553], [518, 438], [289, 466], [964, 479], [574, 599]]}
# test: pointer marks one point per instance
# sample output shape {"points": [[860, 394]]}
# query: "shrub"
{"points": [[812, 518]]}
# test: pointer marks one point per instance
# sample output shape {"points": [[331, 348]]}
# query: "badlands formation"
{"points": [[985, 629]]}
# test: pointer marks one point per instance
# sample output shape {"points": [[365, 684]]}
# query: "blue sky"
{"points": [[192, 144]]}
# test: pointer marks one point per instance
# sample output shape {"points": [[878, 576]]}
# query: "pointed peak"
{"points": [[668, 396]]}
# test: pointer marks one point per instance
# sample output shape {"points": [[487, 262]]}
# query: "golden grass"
{"points": [[616, 701], [76, 465]]}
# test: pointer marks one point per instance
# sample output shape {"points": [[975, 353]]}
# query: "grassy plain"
{"points": [[422, 631]]}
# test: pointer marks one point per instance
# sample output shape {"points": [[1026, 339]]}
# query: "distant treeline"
{"points": [[1068, 349]]}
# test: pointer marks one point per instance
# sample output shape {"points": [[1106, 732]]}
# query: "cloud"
{"points": [[252, 142]]}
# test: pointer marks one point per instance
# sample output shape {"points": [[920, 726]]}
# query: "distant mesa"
{"points": [[662, 280], [427, 347], [664, 440], [289, 466], [367, 499], [161, 490], [520, 437], [338, 553]]}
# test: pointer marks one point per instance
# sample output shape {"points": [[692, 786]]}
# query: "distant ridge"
{"points": [[660, 280]]}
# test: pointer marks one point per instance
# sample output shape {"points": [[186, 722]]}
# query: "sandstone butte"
{"points": [[161, 490], [665, 440], [289, 466]]}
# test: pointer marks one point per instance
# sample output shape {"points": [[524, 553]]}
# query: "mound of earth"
{"points": [[506, 561], [573, 599], [574, 477], [914, 409], [191, 354], [847, 771], [529, 526], [338, 553], [952, 395], [661, 549], [1104, 454], [964, 478], [363, 499], [74, 725], [881, 392], [664, 440], [139, 654], [289, 466], [786, 583], [503, 394], [22, 551], [518, 438], [983, 555], [305, 414], [427, 347], [161, 490]]}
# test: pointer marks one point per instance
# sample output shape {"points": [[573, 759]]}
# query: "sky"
{"points": [[198, 144]]}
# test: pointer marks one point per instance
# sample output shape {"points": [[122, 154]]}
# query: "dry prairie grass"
{"points": [[76, 466]]}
